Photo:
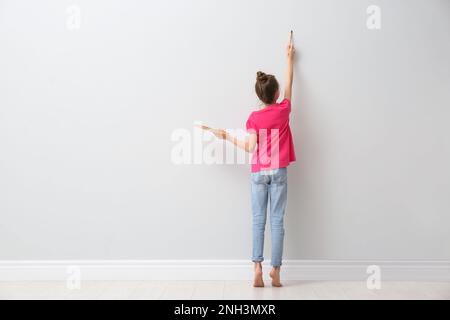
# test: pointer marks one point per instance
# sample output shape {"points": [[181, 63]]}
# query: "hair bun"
{"points": [[261, 76]]}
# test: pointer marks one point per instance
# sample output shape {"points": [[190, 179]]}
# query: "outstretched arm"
{"points": [[290, 70], [248, 144]]}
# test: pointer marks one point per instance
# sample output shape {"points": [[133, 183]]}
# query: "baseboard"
{"points": [[219, 270]]}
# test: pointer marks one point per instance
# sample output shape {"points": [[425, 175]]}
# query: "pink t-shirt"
{"points": [[275, 146]]}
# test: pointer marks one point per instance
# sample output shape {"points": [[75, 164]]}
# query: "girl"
{"points": [[271, 135]]}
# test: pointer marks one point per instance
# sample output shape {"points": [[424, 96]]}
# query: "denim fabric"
{"points": [[269, 187]]}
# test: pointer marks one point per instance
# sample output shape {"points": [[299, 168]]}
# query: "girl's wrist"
{"points": [[231, 138]]}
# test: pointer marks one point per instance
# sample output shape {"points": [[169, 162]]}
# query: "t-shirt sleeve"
{"points": [[286, 103], [251, 128]]}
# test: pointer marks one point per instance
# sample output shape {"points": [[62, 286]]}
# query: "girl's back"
{"points": [[275, 146]]}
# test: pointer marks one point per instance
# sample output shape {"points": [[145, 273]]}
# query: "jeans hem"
{"points": [[277, 265]]}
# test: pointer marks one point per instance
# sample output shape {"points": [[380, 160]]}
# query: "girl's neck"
{"points": [[267, 105]]}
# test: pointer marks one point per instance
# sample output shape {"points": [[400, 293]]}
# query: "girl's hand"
{"points": [[290, 50], [219, 133]]}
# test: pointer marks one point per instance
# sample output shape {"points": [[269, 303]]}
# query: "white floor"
{"points": [[222, 290]]}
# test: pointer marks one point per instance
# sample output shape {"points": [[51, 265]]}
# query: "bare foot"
{"points": [[258, 281], [275, 275]]}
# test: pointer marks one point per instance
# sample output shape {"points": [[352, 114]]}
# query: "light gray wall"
{"points": [[86, 118]]}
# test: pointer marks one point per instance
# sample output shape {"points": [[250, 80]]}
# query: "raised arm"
{"points": [[290, 69]]}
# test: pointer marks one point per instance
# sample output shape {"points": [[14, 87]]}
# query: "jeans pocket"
{"points": [[258, 178], [280, 176]]}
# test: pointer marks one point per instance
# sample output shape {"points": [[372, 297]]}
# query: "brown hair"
{"points": [[266, 87]]}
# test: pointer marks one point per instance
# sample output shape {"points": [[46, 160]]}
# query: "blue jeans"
{"points": [[269, 187]]}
